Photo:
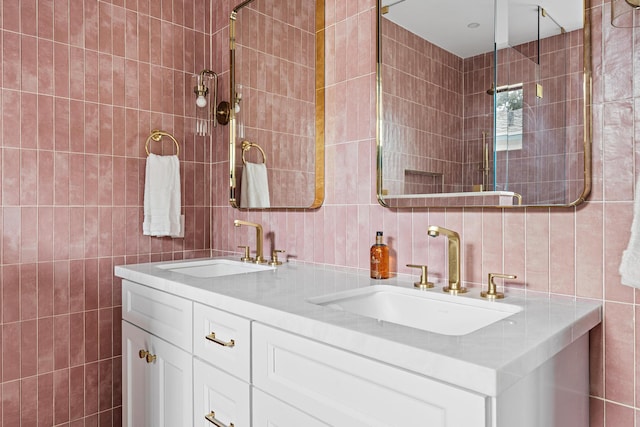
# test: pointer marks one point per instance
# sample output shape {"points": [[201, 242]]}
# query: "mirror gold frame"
{"points": [[480, 199], [317, 197]]}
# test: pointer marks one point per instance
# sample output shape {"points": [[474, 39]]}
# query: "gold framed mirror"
{"points": [[485, 103], [276, 132]]}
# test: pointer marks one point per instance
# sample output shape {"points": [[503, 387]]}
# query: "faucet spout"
{"points": [[453, 256], [259, 238]]}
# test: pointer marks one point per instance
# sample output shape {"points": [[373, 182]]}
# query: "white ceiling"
{"points": [[445, 22]]}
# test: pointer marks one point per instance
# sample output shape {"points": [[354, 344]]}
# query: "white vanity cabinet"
{"points": [[188, 364], [184, 364], [156, 367], [340, 388]]}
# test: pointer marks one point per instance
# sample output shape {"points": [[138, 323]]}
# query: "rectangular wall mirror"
{"points": [[276, 123], [483, 103]]}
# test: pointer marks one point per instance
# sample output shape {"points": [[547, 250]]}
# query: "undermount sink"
{"points": [[214, 267], [430, 311]]}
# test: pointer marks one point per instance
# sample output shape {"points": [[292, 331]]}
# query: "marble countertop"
{"points": [[487, 361]]}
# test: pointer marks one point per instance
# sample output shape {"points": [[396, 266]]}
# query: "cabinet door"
{"points": [[269, 411], [157, 389], [344, 389], [136, 378], [219, 397]]}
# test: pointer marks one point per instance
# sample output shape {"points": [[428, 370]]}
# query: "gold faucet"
{"points": [[453, 238], [259, 259]]}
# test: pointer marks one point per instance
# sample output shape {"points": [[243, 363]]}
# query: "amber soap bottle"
{"points": [[379, 256]]}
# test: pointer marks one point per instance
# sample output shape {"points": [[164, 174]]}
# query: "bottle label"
{"points": [[374, 268]]}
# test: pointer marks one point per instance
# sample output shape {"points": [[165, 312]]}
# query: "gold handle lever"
{"points": [[247, 254], [212, 337], [274, 257], [142, 354], [423, 283], [491, 292], [211, 417]]}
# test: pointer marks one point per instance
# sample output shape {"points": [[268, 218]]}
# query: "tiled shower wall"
{"points": [[574, 251], [83, 82], [438, 117], [547, 170], [423, 114]]}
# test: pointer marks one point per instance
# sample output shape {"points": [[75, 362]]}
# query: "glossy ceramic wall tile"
{"points": [[83, 82]]}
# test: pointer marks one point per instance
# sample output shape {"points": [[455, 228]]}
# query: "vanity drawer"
{"points": [[223, 340], [164, 315], [219, 396], [341, 388]]}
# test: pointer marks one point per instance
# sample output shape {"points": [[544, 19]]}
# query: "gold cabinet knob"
{"points": [[491, 292], [144, 354], [423, 283]]}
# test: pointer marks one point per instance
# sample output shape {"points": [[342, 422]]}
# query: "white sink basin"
{"points": [[430, 311], [214, 267]]}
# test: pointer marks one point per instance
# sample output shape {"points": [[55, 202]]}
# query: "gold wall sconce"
{"points": [[205, 87], [625, 13]]}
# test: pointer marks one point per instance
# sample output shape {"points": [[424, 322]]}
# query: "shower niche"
{"points": [[486, 105]]}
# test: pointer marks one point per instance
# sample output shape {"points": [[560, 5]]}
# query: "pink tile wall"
{"points": [[82, 84], [572, 252]]}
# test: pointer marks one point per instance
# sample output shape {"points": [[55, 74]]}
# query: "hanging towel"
{"points": [[254, 190], [162, 196], [630, 265]]}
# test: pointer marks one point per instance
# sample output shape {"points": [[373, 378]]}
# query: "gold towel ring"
{"points": [[246, 146], [157, 135]]}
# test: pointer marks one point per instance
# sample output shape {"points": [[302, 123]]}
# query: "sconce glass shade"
{"points": [[625, 13], [202, 88]]}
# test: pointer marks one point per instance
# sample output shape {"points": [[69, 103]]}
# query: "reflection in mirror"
{"points": [[277, 123], [483, 104]]}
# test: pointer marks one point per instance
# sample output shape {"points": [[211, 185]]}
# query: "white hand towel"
{"points": [[630, 265], [254, 190], [162, 196]]}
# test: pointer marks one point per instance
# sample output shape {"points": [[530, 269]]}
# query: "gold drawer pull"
{"points": [[144, 354], [212, 337], [211, 417]]}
